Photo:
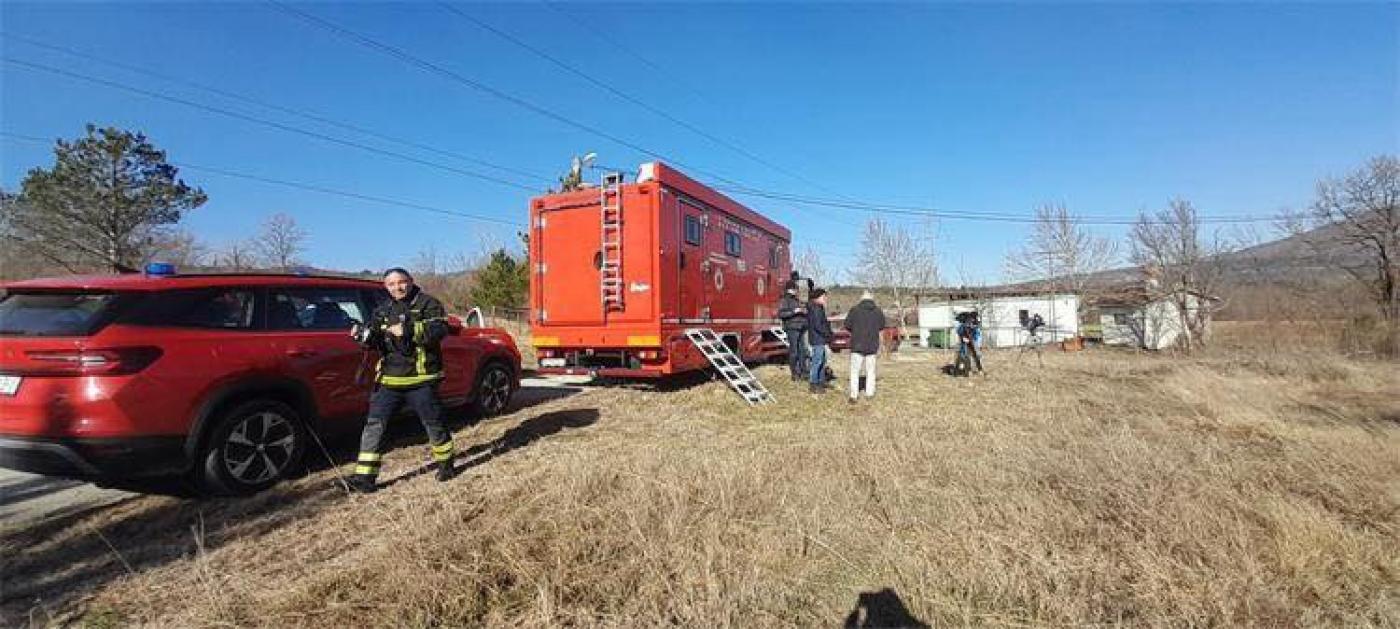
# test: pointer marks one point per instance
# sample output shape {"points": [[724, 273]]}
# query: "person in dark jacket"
{"points": [[818, 336], [969, 333], [407, 331], [864, 322], [794, 318]]}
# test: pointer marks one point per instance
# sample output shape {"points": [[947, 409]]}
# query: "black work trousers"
{"points": [[383, 405]]}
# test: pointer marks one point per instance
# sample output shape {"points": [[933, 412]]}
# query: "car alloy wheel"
{"points": [[494, 390], [259, 448]]}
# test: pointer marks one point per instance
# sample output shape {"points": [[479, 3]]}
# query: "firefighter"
{"points": [[794, 318], [407, 331]]}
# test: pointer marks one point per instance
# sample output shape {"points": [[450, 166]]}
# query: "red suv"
{"points": [[218, 376]]}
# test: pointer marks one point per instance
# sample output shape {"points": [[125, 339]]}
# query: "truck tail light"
{"points": [[649, 354], [91, 362]]}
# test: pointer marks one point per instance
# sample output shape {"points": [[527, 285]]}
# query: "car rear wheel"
{"points": [[253, 446], [494, 388]]}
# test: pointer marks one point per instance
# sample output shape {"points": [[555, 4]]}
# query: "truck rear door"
{"points": [[569, 281]]}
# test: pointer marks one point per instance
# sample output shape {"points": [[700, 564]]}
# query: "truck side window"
{"points": [[693, 232], [732, 243]]}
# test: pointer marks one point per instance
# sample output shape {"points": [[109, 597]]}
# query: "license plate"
{"points": [[9, 384], [552, 362]]}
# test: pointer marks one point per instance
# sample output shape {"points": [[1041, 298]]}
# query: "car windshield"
{"points": [[55, 313]]}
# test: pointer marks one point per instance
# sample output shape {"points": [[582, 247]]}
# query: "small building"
{"points": [[1136, 317], [1001, 313]]}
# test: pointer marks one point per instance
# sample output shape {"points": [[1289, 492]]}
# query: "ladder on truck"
{"points": [[610, 265], [734, 371], [781, 335]]}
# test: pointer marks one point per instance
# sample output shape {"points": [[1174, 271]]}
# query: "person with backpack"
{"points": [[865, 322]]}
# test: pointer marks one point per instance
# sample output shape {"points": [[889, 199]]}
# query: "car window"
{"points": [[313, 309], [55, 313], [222, 308]]}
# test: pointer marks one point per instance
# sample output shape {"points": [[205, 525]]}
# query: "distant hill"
{"points": [[1291, 258]]}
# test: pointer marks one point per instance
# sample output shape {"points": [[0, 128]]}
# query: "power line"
{"points": [[968, 215], [737, 188], [428, 66], [591, 30], [307, 114], [628, 97], [265, 122], [312, 187]]}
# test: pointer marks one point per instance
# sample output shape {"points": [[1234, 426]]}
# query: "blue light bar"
{"points": [[160, 269]]}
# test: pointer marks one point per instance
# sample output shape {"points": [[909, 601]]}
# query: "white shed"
{"points": [[1001, 314], [1132, 317]]}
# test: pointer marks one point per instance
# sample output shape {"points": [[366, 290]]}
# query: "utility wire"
{"points": [[265, 122], [629, 98], [428, 66], [598, 33], [866, 207], [312, 187], [968, 215], [306, 114]]}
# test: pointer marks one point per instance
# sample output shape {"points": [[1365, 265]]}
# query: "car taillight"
{"points": [[111, 362]]}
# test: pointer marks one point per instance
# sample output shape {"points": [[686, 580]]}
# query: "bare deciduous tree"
{"points": [[1061, 252], [892, 259], [1180, 267], [281, 241], [178, 247], [237, 255], [809, 264], [1361, 214]]}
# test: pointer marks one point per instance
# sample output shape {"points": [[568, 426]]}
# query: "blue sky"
{"points": [[1106, 108]]}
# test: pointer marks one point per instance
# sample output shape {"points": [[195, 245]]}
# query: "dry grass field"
{"points": [[1103, 488]]}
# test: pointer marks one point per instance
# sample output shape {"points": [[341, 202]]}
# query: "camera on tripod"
{"points": [[1032, 323]]}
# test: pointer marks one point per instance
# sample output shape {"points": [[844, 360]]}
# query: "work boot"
{"points": [[816, 388], [851, 400], [362, 484], [446, 471]]}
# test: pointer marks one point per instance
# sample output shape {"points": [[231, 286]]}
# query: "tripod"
{"points": [[1033, 343]]}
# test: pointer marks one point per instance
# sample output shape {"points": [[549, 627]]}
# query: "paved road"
{"points": [[27, 498]]}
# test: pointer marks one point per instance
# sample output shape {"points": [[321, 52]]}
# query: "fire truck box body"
{"points": [[681, 256]]}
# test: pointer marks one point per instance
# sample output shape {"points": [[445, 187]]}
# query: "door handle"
{"points": [[301, 352]]}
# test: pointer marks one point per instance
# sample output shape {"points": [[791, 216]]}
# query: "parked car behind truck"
{"points": [[218, 377]]}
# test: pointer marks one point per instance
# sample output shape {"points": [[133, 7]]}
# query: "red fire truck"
{"points": [[621, 271]]}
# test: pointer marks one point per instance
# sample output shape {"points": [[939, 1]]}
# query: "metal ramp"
{"points": [[610, 262], [730, 366]]}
